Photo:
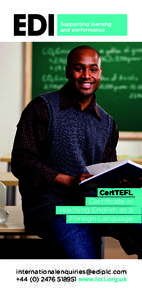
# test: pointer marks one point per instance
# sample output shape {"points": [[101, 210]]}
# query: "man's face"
{"points": [[84, 72]]}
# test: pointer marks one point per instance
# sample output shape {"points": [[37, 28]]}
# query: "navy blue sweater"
{"points": [[75, 139]]}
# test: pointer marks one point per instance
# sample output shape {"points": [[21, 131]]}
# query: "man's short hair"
{"points": [[69, 57]]}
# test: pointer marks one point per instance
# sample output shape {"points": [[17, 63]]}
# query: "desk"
{"points": [[6, 157], [8, 179], [137, 160]]}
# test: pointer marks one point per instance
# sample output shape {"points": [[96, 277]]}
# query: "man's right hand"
{"points": [[70, 180]]}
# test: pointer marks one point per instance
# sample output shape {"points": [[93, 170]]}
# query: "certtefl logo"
{"points": [[25, 24]]}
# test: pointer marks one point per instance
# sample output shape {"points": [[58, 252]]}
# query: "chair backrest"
{"points": [[3, 212], [2, 194]]}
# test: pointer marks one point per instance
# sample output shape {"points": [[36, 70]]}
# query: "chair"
{"points": [[3, 212]]}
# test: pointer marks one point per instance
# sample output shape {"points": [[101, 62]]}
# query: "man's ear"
{"points": [[67, 72], [101, 73]]}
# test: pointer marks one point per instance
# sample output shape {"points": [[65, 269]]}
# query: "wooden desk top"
{"points": [[15, 221], [137, 160], [6, 157], [8, 179]]}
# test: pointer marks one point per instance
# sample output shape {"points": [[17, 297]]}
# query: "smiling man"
{"points": [[84, 73], [58, 135]]}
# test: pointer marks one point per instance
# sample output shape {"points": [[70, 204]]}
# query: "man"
{"points": [[58, 135]]}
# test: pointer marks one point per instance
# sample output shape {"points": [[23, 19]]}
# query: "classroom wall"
{"points": [[12, 99], [11, 91], [11, 96], [132, 148]]}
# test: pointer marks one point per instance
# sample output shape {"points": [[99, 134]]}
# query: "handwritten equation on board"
{"points": [[120, 80]]}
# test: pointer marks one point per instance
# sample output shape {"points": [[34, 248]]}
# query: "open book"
{"points": [[109, 174]]}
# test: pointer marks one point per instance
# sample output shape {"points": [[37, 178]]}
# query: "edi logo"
{"points": [[24, 25]]}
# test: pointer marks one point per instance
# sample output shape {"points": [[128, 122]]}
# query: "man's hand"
{"points": [[70, 180], [79, 178], [127, 184]]}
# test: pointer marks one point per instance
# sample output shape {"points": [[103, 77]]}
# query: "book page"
{"points": [[104, 167]]}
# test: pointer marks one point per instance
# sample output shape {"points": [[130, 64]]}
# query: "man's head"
{"points": [[83, 71]]}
